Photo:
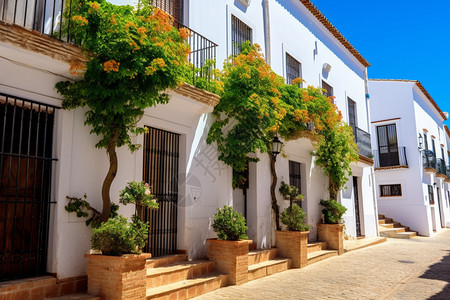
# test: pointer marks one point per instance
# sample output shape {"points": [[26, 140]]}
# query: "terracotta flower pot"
{"points": [[231, 258], [294, 245], [117, 277], [333, 234]]}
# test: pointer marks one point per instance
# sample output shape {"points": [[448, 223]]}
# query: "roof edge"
{"points": [[334, 31]]}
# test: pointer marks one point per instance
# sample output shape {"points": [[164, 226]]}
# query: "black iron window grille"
{"points": [[328, 90], [240, 33], [393, 190], [161, 156], [172, 7], [293, 69], [26, 132], [431, 194], [295, 177]]}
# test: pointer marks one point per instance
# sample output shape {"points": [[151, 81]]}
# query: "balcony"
{"points": [[362, 140], [441, 168], [46, 17], [393, 158], [429, 159]]}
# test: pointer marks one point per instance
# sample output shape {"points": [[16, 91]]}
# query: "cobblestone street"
{"points": [[397, 269]]}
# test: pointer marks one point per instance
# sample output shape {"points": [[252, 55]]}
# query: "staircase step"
{"points": [[320, 255], [188, 288], [268, 268], [259, 256], [165, 260], [319, 246], [77, 296], [177, 272], [406, 235], [380, 216], [391, 225]]}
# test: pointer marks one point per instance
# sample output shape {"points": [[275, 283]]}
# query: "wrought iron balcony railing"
{"points": [[447, 172], [429, 159], [394, 158], [441, 168], [46, 16], [362, 140]]}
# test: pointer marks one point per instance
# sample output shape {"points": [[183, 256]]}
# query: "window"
{"points": [[295, 178], [240, 33], [431, 194], [293, 69], [425, 138], [328, 88], [391, 190], [351, 113], [387, 145]]}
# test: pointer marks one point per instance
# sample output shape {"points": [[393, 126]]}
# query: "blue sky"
{"points": [[401, 39]]}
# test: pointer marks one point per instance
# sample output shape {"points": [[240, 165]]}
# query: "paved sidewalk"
{"points": [[397, 269]]}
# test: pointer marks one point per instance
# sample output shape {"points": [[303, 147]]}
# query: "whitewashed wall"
{"points": [[412, 112]]}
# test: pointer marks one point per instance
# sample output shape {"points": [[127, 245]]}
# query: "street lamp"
{"points": [[276, 146], [420, 141]]}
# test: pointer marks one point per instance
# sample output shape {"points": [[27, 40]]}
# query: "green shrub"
{"points": [[138, 193], [229, 224], [294, 218], [333, 211], [290, 192], [117, 236]]}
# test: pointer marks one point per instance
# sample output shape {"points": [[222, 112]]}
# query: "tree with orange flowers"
{"points": [[135, 55]]}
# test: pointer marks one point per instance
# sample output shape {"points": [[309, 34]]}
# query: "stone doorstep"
{"points": [[269, 267], [165, 260], [177, 272], [318, 246], [188, 288], [406, 235], [262, 255], [320, 255], [362, 243]]}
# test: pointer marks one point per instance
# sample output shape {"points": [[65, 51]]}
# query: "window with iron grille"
{"points": [[391, 190], [293, 69], [295, 177], [431, 194], [328, 88], [172, 7], [240, 33], [351, 112]]}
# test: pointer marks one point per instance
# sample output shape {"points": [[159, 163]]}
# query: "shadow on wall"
{"points": [[440, 271]]}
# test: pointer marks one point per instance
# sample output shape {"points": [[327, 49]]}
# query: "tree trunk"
{"points": [[332, 189], [275, 207], [113, 165]]}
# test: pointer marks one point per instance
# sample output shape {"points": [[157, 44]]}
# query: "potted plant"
{"points": [[293, 242], [230, 250], [116, 270], [331, 231]]}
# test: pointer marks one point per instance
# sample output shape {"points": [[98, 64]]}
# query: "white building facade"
{"points": [[189, 181], [411, 155]]}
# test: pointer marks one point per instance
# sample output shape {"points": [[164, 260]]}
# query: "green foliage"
{"points": [[290, 192], [333, 211], [117, 236], [138, 193], [229, 224], [137, 55], [294, 218], [83, 209], [249, 112], [335, 152], [209, 79]]}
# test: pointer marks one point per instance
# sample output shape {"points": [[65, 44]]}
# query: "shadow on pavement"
{"points": [[440, 271]]}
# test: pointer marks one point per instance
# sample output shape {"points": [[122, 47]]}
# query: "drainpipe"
{"points": [[267, 31], [372, 174]]}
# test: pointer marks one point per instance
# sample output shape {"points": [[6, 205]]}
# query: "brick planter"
{"points": [[333, 234], [294, 245], [231, 258], [117, 277]]}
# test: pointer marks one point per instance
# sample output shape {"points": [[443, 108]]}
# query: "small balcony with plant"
{"points": [[429, 160], [390, 157], [441, 168]]}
